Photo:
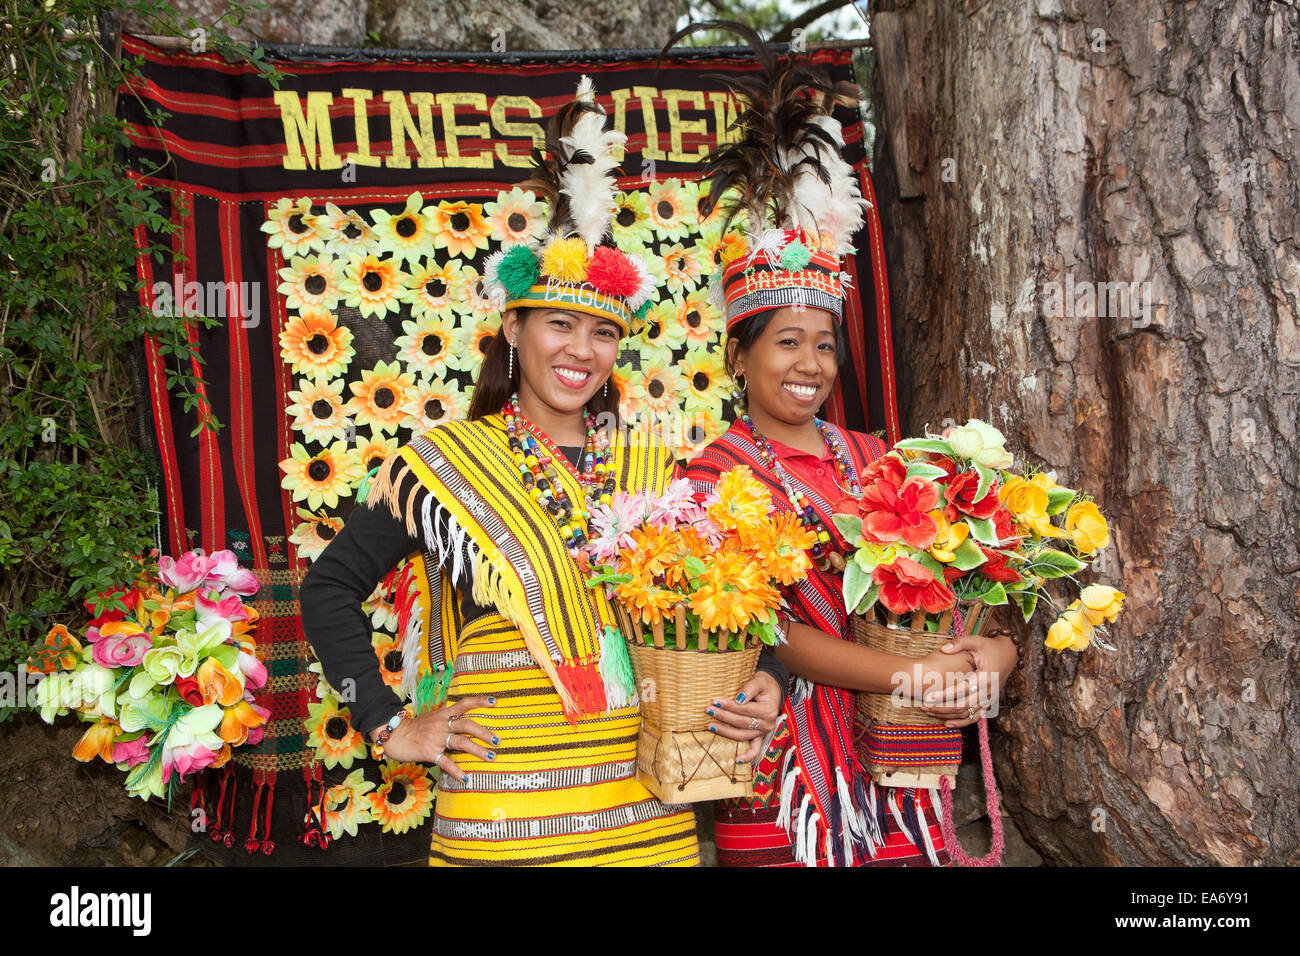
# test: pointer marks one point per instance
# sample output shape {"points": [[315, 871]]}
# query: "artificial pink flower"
{"points": [[678, 505], [124, 648], [612, 525], [187, 573], [254, 671], [132, 752], [226, 574], [229, 608]]}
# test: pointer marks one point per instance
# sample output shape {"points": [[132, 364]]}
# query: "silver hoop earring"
{"points": [[738, 394], [510, 373]]}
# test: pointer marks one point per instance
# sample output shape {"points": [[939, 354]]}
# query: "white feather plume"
{"points": [[834, 208], [590, 186]]}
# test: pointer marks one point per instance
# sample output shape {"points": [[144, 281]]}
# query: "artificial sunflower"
{"points": [[404, 799], [481, 303], [389, 651], [382, 610], [432, 403], [681, 268], [472, 345], [317, 411], [663, 387], [311, 282], [515, 217], [312, 535], [632, 219], [314, 344], [662, 329], [706, 380], [671, 205], [373, 452], [698, 429], [346, 232], [346, 806], [323, 688], [699, 320], [426, 344], [293, 229], [405, 235], [459, 227], [373, 285], [433, 291], [714, 252], [330, 731], [621, 377], [378, 399], [320, 478]]}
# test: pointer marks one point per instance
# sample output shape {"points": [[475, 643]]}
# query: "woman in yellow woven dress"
{"points": [[537, 741]]}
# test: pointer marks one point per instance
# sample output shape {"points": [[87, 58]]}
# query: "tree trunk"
{"points": [[1150, 143]]}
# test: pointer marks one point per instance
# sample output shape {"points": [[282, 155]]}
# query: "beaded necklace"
{"points": [[536, 457], [823, 552]]}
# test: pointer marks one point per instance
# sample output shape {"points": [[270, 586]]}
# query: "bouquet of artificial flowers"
{"points": [[165, 676]]}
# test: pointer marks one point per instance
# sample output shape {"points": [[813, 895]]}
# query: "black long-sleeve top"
{"points": [[345, 574]]}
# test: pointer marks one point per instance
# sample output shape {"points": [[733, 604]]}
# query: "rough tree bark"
{"points": [[1140, 142]]}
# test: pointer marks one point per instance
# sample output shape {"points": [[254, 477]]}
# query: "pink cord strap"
{"points": [[954, 847]]}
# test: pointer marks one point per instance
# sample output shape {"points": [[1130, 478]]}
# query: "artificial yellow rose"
{"points": [[1027, 502], [1086, 527], [1043, 480], [949, 539], [1100, 603], [1071, 631]]}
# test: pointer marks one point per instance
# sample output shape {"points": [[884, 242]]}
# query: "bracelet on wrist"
{"points": [[377, 748]]}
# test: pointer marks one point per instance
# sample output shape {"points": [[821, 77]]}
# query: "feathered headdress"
{"points": [[801, 200], [575, 265]]}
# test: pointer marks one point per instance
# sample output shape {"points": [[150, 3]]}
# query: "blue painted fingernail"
{"points": [[495, 740], [492, 700], [712, 728], [717, 703], [491, 755], [740, 698], [709, 711]]}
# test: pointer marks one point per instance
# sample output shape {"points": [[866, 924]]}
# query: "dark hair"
{"points": [[494, 387], [746, 332]]}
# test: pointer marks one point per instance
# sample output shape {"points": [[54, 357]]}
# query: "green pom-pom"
{"points": [[517, 271], [638, 317], [795, 257]]}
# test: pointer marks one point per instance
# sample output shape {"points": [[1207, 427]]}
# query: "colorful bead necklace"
{"points": [[536, 457], [823, 552]]}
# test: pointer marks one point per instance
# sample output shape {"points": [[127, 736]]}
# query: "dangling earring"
{"points": [[510, 374], [738, 394], [606, 391]]}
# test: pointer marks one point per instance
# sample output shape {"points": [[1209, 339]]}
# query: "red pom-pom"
{"points": [[611, 272]]}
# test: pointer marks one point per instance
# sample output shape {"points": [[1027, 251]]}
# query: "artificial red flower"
{"points": [[895, 507], [1006, 532], [995, 568], [960, 494], [188, 688], [128, 597], [906, 585]]}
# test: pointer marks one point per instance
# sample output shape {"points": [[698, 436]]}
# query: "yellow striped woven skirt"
{"points": [[556, 794]]}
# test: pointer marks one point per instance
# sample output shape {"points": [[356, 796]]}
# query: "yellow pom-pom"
{"points": [[565, 260]]}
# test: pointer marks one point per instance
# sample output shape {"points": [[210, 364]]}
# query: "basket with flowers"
{"points": [[943, 533], [694, 579], [165, 675]]}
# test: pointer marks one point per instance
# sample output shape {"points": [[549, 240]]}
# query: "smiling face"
{"points": [[564, 358], [790, 367]]}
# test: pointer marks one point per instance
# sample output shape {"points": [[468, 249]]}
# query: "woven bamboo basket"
{"points": [[678, 758], [886, 631]]}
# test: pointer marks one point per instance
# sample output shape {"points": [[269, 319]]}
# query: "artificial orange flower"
{"points": [[646, 600], [783, 546], [98, 741], [405, 798], [237, 721], [218, 685], [742, 500], [389, 651]]}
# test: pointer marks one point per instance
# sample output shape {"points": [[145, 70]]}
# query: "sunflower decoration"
{"points": [[715, 250], [479, 297], [711, 226], [314, 532], [323, 688], [330, 731], [317, 411], [698, 430], [621, 377], [373, 452], [293, 229], [706, 379], [373, 285], [315, 345], [404, 799], [382, 610], [406, 235], [389, 651], [347, 233], [346, 806], [661, 387], [378, 399], [321, 478], [681, 267], [459, 227], [311, 282], [473, 343], [671, 205], [426, 344], [432, 403], [632, 225], [662, 331], [699, 320], [515, 217], [433, 290]]}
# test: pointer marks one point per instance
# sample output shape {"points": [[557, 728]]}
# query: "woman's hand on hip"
{"points": [[435, 737], [751, 715]]}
